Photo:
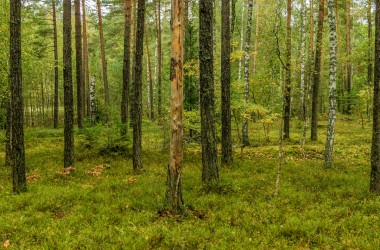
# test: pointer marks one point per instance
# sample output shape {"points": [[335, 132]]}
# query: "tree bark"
{"points": [[79, 67], [15, 79], [303, 60], [174, 178], [210, 171], [126, 66], [226, 82], [159, 59], [149, 78], [68, 87], [317, 73], [348, 62], [56, 74], [247, 45], [104, 61], [241, 39], [288, 71], [86, 69], [370, 53], [137, 105], [375, 150], [92, 101], [329, 149]]}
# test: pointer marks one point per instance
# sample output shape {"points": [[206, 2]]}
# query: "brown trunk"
{"points": [[86, 74], [133, 41], [104, 62], [79, 68], [137, 100], [68, 87], [56, 76], [150, 80], [287, 87], [174, 178], [159, 59], [317, 73], [375, 151], [126, 66], [15, 80]]}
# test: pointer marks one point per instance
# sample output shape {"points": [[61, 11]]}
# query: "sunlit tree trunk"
{"points": [[79, 69], [210, 172], [317, 73], [15, 80], [56, 76], [126, 66], [226, 82], [375, 150], [329, 149], [137, 100], [288, 71], [247, 45], [68, 87], [174, 178]]}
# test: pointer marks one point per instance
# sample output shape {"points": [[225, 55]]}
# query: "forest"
{"points": [[190, 124]]}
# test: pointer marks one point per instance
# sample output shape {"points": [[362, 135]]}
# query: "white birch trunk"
{"points": [[329, 159], [303, 58], [92, 101], [241, 38]]}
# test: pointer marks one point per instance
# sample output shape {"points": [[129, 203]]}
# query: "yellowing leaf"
{"points": [[6, 243]]}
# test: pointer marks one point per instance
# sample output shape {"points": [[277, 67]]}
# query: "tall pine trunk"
{"points": [[15, 79], [247, 45], [137, 100], [288, 71], [317, 73], [79, 68], [329, 149], [159, 60], [375, 150], [226, 82], [68, 87], [210, 172], [104, 61], [126, 66], [174, 178], [56, 76], [86, 69], [149, 77]]}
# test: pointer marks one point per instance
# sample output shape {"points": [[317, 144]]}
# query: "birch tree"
{"points": [[329, 149], [303, 59]]}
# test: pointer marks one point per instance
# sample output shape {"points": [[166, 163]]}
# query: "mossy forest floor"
{"points": [[104, 205]]}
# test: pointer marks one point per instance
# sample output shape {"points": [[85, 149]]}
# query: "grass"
{"points": [[110, 207]]}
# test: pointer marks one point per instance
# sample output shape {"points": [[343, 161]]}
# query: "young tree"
{"points": [[375, 151], [317, 73], [126, 66], [137, 100], [247, 45], [56, 76], [288, 70], [79, 68], [210, 171], [104, 61], [226, 82], [329, 149], [68, 87], [17, 110], [174, 182]]}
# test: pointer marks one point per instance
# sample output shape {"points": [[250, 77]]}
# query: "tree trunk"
{"points": [[241, 39], [329, 150], [256, 38], [133, 44], [149, 77], [56, 76], [375, 150], [226, 82], [288, 71], [68, 87], [126, 66], [348, 63], [174, 178], [247, 45], [317, 73], [79, 68], [86, 69], [137, 105], [370, 56], [15, 79], [104, 61], [210, 171], [159, 59], [303, 60]]}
